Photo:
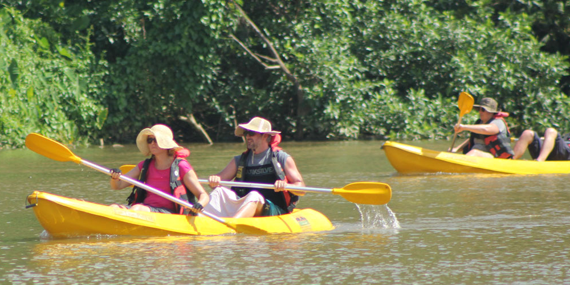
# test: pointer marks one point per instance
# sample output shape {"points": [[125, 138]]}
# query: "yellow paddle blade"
{"points": [[50, 148], [372, 193], [465, 103], [126, 168]]}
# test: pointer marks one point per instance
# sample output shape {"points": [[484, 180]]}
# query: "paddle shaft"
{"points": [[153, 190], [455, 135], [372, 193], [268, 186]]}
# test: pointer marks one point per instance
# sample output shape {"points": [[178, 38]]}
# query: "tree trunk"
{"points": [[301, 110], [190, 119]]}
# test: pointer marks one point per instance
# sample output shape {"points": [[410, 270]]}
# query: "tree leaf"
{"points": [[43, 42], [64, 52], [30, 93], [14, 73], [101, 117]]}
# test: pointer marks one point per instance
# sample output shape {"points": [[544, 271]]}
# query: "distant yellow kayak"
{"points": [[66, 217], [411, 159]]}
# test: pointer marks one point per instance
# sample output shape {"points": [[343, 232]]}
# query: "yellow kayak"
{"points": [[67, 217], [411, 159]]}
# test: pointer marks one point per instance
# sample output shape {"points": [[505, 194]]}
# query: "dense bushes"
{"points": [[366, 68], [45, 86]]}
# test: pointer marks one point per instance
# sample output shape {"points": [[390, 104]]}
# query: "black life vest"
{"points": [[499, 145], [177, 187], [267, 173], [566, 139]]}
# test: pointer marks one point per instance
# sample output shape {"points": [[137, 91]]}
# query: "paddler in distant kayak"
{"points": [[262, 162], [489, 135], [554, 146], [167, 170]]}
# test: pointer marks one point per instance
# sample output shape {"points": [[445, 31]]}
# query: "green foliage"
{"points": [[44, 87], [420, 48], [169, 66], [367, 68], [396, 68]]}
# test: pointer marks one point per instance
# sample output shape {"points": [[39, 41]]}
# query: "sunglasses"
{"points": [[250, 133], [150, 140]]}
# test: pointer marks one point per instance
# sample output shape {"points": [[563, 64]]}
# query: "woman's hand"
{"points": [[197, 208], [115, 173]]}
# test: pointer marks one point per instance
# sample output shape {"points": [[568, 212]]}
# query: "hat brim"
{"points": [[162, 141], [239, 131], [477, 107]]}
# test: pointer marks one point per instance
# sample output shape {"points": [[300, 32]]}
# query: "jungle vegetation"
{"points": [[82, 71]]}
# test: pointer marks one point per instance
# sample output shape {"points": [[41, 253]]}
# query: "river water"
{"points": [[437, 229]]}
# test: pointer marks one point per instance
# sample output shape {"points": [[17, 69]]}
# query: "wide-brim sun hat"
{"points": [[258, 125], [488, 104], [163, 135]]}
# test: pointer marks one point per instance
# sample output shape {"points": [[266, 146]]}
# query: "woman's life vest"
{"points": [[177, 187], [499, 145], [267, 173]]}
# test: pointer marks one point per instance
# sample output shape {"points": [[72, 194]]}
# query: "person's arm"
{"points": [[487, 129], [120, 184], [191, 182], [227, 174], [293, 177]]}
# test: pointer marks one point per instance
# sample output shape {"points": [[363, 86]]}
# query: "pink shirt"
{"points": [[160, 179]]}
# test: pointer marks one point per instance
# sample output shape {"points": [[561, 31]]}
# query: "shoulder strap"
{"points": [[278, 167], [144, 171], [175, 180], [241, 165], [178, 189], [138, 194]]}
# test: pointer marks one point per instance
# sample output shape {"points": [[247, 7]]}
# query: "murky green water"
{"points": [[453, 228]]}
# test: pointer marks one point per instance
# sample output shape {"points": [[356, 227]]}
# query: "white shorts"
{"points": [[226, 203]]}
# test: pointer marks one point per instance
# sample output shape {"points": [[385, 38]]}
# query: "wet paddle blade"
{"points": [[371, 193], [50, 148], [465, 103]]}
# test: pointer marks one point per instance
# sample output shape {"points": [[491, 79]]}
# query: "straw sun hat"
{"points": [[258, 125], [163, 135]]}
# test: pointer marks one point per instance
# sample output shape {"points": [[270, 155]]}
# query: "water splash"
{"points": [[377, 216], [45, 235]]}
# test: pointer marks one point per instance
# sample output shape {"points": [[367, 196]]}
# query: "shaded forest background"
{"points": [[82, 71]]}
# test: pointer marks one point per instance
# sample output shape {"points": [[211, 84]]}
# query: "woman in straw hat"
{"points": [[263, 162], [167, 166], [489, 135]]}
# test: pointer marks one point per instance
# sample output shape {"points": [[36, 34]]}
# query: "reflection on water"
{"points": [[201, 259], [465, 229]]}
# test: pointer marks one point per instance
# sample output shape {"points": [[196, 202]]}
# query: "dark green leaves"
{"points": [[14, 72]]}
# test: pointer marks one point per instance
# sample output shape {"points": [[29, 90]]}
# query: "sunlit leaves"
{"points": [[50, 88], [101, 117]]}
